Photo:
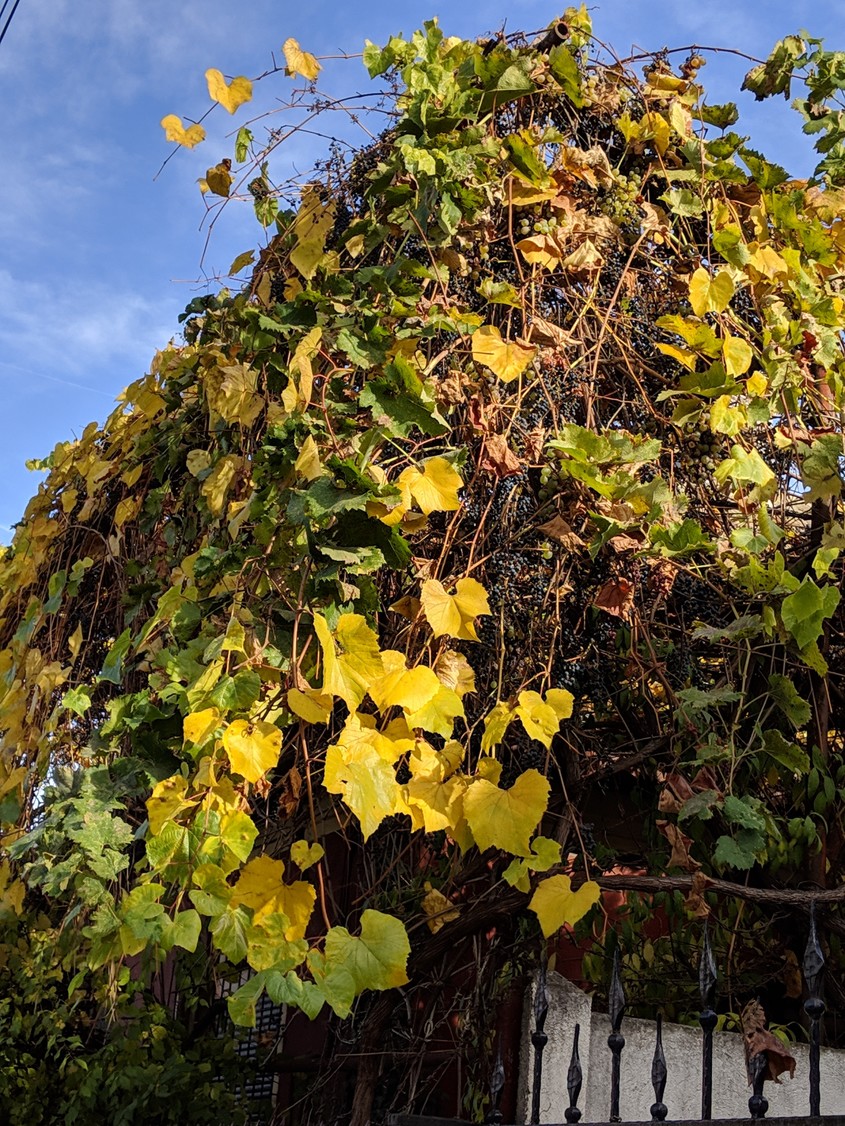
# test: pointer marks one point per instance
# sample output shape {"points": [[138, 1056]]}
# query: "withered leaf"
{"points": [[499, 458], [680, 843], [759, 1040], [558, 529], [616, 597]]}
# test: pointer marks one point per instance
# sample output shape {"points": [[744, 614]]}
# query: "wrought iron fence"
{"points": [[757, 1062]]}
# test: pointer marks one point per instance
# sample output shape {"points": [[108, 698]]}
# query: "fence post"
{"points": [[707, 1020], [615, 1041], [814, 1007], [574, 1078]]}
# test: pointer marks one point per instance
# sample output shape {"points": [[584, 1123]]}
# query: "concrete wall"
{"points": [[682, 1047]]}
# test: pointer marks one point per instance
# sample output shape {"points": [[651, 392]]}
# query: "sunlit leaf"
{"points": [[253, 748], [434, 488], [356, 663], [506, 819], [506, 360], [378, 958], [230, 95], [299, 62], [453, 615], [261, 889], [710, 294], [174, 130], [556, 905]]}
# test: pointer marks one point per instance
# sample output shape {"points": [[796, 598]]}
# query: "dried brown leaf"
{"points": [[616, 597], [680, 843], [499, 458], [557, 529]]}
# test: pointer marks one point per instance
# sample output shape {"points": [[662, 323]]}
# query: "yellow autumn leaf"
{"points": [[765, 262], [74, 642], [542, 718], [304, 855], [253, 748], [682, 355], [737, 355], [350, 672], [167, 799], [452, 614], [198, 727], [454, 670], [710, 294], [757, 384], [215, 487], [365, 782], [540, 250], [299, 62], [12, 891], [435, 791], [260, 888], [658, 126], [309, 463], [402, 687], [434, 488], [438, 908], [174, 130], [311, 228], [555, 903], [506, 360], [230, 95], [311, 705], [438, 714], [496, 723], [218, 179], [506, 819]]}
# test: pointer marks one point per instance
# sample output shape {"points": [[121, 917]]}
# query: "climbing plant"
{"points": [[503, 480]]}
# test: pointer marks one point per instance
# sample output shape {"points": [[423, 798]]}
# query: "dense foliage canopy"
{"points": [[480, 550]]}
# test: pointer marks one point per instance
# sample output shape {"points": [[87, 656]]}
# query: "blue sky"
{"points": [[97, 259]]}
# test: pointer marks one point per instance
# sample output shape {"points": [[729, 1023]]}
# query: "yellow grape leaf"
{"points": [[74, 642], [216, 486], [260, 888], [540, 250], [737, 355], [439, 713], [710, 295], [390, 744], [376, 960], [545, 854], [496, 723], [556, 905], [365, 782], [455, 671], [434, 790], [682, 355], [312, 706], [438, 908], [198, 727], [766, 263], [658, 126], [359, 664], [434, 488], [174, 130], [309, 463], [507, 360], [12, 891], [299, 61], [452, 614], [725, 419], [167, 799], [218, 179], [231, 390], [304, 854], [542, 718], [403, 687], [506, 819], [312, 225], [197, 462], [230, 96], [757, 384], [253, 748]]}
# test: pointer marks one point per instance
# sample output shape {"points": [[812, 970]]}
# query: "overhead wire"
{"points": [[10, 17]]}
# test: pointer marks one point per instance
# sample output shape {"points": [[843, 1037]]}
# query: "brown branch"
{"points": [[787, 897]]}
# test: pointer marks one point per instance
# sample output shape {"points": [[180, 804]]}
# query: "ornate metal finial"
{"points": [[539, 1039], [574, 1078], [707, 971], [616, 997], [813, 957], [541, 997], [497, 1082], [708, 1020], [615, 1041], [814, 1007], [758, 1104], [658, 1075]]}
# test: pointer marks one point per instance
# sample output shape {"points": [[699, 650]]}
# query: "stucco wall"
{"points": [[682, 1047]]}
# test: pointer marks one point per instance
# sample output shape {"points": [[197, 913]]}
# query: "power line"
{"points": [[9, 20]]}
